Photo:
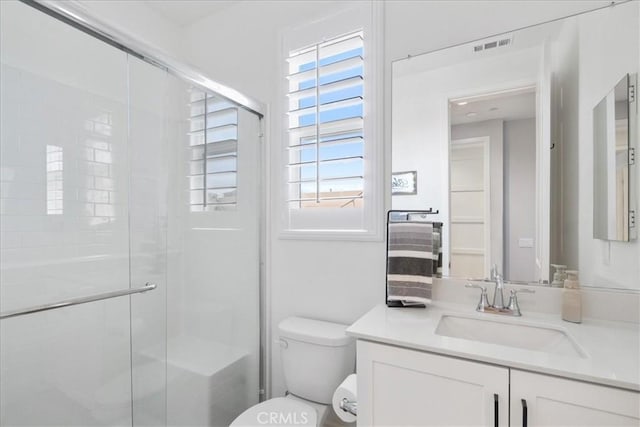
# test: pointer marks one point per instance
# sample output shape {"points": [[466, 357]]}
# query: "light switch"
{"points": [[525, 242]]}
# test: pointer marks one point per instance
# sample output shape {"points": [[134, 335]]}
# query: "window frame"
{"points": [[360, 224]]}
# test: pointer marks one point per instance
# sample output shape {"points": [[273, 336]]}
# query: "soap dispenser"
{"points": [[571, 298], [559, 276]]}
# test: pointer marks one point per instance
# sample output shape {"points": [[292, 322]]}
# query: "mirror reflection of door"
{"points": [[492, 196], [470, 198]]}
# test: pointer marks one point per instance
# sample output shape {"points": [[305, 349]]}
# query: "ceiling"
{"points": [[187, 12], [519, 104]]}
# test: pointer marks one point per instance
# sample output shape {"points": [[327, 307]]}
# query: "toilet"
{"points": [[316, 357]]}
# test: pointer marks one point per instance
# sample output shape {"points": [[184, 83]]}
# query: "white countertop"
{"points": [[612, 349]]}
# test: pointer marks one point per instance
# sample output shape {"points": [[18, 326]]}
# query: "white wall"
{"points": [[414, 27], [138, 20]]}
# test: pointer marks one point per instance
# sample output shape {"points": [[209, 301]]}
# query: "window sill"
{"points": [[336, 235]]}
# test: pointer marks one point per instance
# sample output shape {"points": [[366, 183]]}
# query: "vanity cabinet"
{"points": [[400, 387], [552, 401], [403, 387]]}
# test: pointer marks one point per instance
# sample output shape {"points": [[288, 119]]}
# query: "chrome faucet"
{"points": [[498, 296], [498, 307]]}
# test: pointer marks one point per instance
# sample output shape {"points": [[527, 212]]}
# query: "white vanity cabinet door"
{"points": [[401, 387], [555, 401]]}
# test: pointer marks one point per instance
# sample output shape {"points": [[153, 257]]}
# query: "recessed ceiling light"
{"points": [[471, 114], [461, 103]]}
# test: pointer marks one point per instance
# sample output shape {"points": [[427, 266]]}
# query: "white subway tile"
{"points": [[22, 207], [95, 196], [9, 239], [102, 183], [104, 210], [22, 223], [7, 173], [103, 156]]}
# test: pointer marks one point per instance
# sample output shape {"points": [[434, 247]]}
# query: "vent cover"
{"points": [[493, 43]]}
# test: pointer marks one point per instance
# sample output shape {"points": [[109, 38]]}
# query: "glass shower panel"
{"points": [[64, 224], [213, 323], [149, 99], [96, 175]]}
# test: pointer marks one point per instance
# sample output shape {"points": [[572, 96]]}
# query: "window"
{"points": [[213, 153], [326, 135], [331, 157]]}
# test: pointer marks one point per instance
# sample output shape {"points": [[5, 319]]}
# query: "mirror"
{"points": [[496, 135], [613, 131]]}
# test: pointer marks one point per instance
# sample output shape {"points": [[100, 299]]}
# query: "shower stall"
{"points": [[130, 231]]}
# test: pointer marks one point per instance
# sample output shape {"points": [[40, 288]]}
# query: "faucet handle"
{"points": [[483, 304], [513, 300]]}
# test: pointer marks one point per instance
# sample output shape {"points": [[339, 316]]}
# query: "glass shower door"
{"points": [[213, 324], [149, 99], [115, 173], [67, 230]]}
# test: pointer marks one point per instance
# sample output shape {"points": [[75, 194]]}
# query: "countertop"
{"points": [[611, 349]]}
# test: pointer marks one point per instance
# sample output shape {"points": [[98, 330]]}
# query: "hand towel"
{"points": [[414, 258]]}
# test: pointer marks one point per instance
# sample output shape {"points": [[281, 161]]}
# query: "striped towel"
{"points": [[414, 258]]}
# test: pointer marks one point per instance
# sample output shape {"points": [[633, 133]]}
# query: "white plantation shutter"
{"points": [[326, 144], [331, 155], [213, 153]]}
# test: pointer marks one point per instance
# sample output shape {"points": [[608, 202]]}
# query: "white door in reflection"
{"points": [[470, 195]]}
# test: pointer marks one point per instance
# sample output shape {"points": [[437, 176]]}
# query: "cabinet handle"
{"points": [[495, 410], [524, 412]]}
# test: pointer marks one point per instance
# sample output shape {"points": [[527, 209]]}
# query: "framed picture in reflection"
{"points": [[404, 183]]}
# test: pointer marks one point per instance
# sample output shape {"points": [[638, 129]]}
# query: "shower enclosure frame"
{"points": [[72, 13]]}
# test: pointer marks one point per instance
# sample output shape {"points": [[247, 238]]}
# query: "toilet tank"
{"points": [[316, 357]]}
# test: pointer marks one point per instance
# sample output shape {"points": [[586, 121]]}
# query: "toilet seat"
{"points": [[279, 411]]}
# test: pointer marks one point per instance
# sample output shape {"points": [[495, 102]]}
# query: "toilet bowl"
{"points": [[316, 357], [281, 411]]}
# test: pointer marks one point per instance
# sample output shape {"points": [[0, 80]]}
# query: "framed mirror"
{"points": [[499, 132]]}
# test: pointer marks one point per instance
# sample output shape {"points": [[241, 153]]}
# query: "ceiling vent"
{"points": [[493, 43]]}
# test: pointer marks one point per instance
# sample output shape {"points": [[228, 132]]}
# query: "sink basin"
{"points": [[519, 335]]}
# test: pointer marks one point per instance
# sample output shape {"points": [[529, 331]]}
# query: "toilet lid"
{"points": [[279, 411]]}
